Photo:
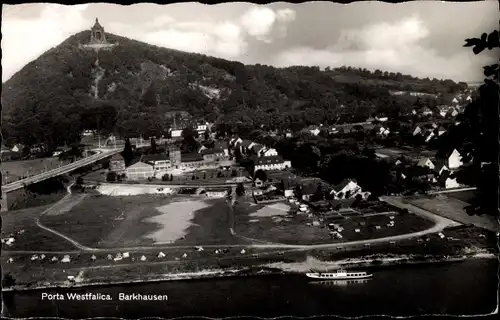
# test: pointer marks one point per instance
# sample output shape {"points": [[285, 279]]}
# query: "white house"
{"points": [[454, 113], [383, 131], [451, 183], [176, 133], [289, 193], [441, 131], [417, 130], [272, 163], [268, 152], [469, 98], [454, 159], [443, 113], [454, 100], [346, 189], [426, 162]]}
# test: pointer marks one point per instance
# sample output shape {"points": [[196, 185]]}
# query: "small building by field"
{"points": [[139, 171], [117, 163]]}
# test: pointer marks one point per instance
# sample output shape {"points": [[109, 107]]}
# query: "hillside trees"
{"points": [[143, 82], [478, 132]]}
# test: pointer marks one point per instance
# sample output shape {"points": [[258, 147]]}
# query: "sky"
{"points": [[421, 38]]}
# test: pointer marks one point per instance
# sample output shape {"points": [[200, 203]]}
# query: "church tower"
{"points": [[97, 34]]}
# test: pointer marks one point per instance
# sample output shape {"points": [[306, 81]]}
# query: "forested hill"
{"points": [[133, 87]]}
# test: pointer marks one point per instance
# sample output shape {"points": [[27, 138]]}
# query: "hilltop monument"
{"points": [[98, 38]]}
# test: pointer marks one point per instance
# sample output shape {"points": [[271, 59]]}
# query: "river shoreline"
{"points": [[278, 268]]}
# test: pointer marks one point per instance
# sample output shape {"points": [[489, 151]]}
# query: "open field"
{"points": [[465, 196], [453, 209], [271, 224], [27, 235], [14, 170], [145, 220]]}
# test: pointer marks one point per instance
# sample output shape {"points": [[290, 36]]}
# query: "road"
{"points": [[440, 224], [102, 153]]}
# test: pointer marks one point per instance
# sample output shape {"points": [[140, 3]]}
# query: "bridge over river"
{"points": [[16, 185]]}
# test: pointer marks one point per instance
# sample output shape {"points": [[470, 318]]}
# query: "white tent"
{"points": [[216, 251], [143, 258], [126, 255], [242, 251], [93, 258], [42, 256], [34, 257], [110, 257], [10, 260], [54, 259], [161, 255], [184, 255], [65, 259]]}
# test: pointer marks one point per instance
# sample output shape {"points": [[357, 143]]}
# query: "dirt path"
{"points": [[53, 211], [440, 224]]}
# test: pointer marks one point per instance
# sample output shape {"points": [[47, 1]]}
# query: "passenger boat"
{"points": [[339, 275], [340, 283]]}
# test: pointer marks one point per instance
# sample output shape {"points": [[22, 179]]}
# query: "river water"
{"points": [[461, 288]]}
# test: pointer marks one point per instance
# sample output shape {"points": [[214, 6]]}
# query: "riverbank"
{"points": [[277, 268]]}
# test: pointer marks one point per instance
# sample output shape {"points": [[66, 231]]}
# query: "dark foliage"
{"points": [[48, 101]]}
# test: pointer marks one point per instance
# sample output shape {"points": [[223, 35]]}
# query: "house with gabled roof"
{"points": [[417, 131], [139, 171], [441, 131], [346, 189], [268, 152], [426, 162], [451, 158], [257, 148]]}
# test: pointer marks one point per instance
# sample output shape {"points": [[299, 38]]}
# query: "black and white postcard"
{"points": [[237, 159]]}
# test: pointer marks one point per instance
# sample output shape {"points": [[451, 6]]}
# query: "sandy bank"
{"points": [[175, 219], [131, 190], [370, 261]]}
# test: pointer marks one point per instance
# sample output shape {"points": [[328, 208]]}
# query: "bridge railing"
{"points": [[60, 170]]}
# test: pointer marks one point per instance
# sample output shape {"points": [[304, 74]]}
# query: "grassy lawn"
{"points": [[453, 209], [298, 229], [114, 222], [280, 228], [427, 245], [92, 220], [465, 196], [33, 237]]}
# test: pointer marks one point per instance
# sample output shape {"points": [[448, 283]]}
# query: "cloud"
{"points": [[286, 15], [223, 39], [258, 22], [160, 21], [393, 47], [25, 39]]}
